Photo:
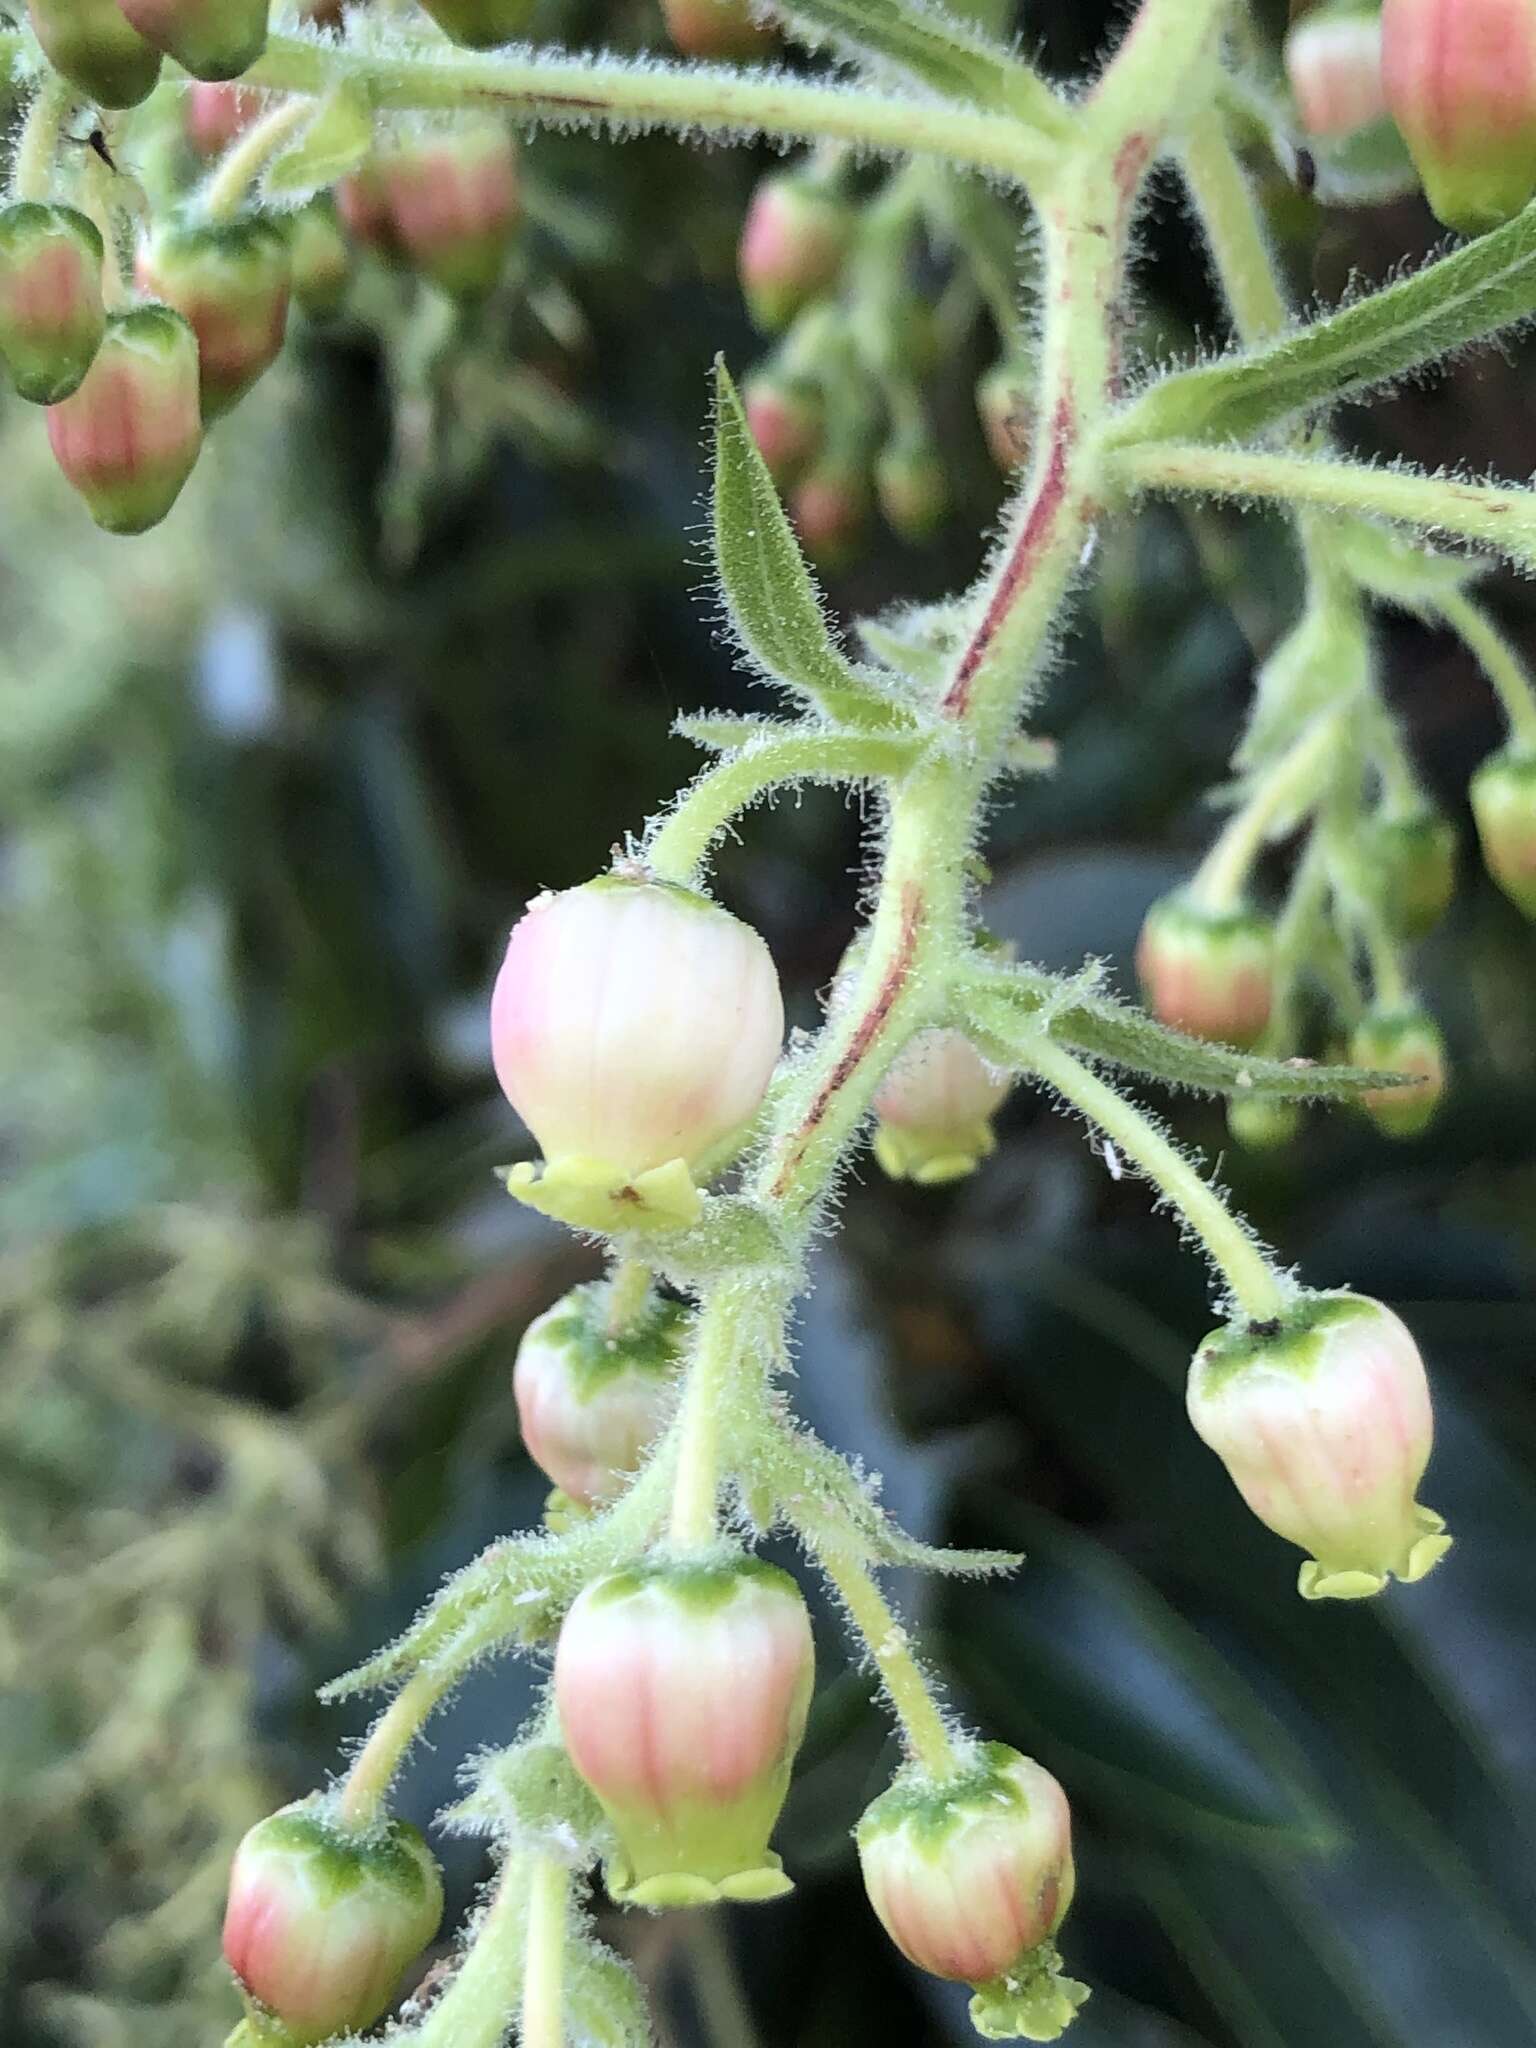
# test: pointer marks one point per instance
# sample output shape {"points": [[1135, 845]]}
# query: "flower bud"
{"points": [[935, 1108], [215, 112], [682, 1691], [128, 438], [786, 418], [634, 1027], [1333, 60], [364, 209], [93, 45], [793, 242], [481, 24], [1005, 407], [1503, 796], [1414, 853], [215, 39], [590, 1400], [911, 486], [1323, 1421], [1207, 972], [722, 29], [1461, 83], [230, 280], [1401, 1040], [1263, 1123], [320, 259], [971, 1878], [452, 204], [830, 507], [321, 1924], [51, 312]]}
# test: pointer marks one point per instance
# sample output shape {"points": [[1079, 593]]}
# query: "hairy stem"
{"points": [[923, 1726], [477, 2007], [1499, 661], [230, 186], [542, 2021], [629, 1289], [1221, 879], [38, 145], [367, 1787]]}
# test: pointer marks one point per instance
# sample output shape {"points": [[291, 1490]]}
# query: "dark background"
{"points": [[276, 780]]}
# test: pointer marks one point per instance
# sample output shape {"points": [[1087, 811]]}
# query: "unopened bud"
{"points": [[682, 1691], [911, 486], [830, 507], [1503, 796], [1403, 1039], [1263, 1123], [320, 258], [51, 312], [230, 280], [590, 1399], [1207, 972], [1333, 60], [364, 208], [1006, 408], [786, 418], [935, 1107], [723, 29], [215, 39], [793, 242], [1414, 853], [453, 202], [1461, 84], [482, 24], [971, 1877], [1323, 1420], [321, 1924], [128, 438], [634, 1028], [93, 45], [214, 113]]}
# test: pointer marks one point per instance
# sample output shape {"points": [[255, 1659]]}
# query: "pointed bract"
{"points": [[51, 313], [128, 438]]}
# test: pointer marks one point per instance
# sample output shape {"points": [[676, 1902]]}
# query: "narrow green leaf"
{"points": [[774, 608], [926, 43], [1465, 297], [1113, 1031], [723, 735], [330, 146]]}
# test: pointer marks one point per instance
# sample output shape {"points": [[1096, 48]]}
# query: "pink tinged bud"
{"points": [[214, 39], [482, 24], [830, 508], [321, 1925], [213, 114], [92, 43], [128, 438], [716, 28], [1333, 60], [51, 312], [452, 205], [1403, 1040], [1005, 407], [591, 1402], [786, 420], [1324, 1424], [1414, 853], [1209, 973], [230, 280], [1263, 1123], [634, 1027], [321, 259], [971, 1878], [911, 486], [793, 242], [1503, 796], [935, 1108], [682, 1691], [1461, 83], [364, 210]]}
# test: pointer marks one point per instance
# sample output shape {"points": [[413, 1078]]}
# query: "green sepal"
{"points": [[1316, 1582], [594, 1195], [676, 1888], [932, 1158], [1034, 2002], [332, 144]]}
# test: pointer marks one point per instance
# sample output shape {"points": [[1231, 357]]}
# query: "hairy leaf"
{"points": [[328, 147]]}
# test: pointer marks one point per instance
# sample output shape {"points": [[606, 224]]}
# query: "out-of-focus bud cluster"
{"points": [[871, 293], [1460, 78]]}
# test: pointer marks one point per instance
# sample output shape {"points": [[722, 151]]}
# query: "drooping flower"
{"points": [[935, 1107]]}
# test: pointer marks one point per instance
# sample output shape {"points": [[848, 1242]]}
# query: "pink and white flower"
{"points": [[1333, 60], [591, 1401], [935, 1107]]}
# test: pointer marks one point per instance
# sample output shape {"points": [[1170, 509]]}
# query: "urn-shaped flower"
{"points": [[971, 1877], [1333, 61], [682, 1689], [51, 312], [230, 280], [1461, 83], [591, 1399], [1401, 1038], [1323, 1420], [1207, 972], [935, 1107], [1503, 796], [128, 438], [452, 203], [634, 1026], [321, 1924]]}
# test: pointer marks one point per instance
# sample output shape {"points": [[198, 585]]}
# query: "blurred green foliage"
{"points": [[277, 778]]}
